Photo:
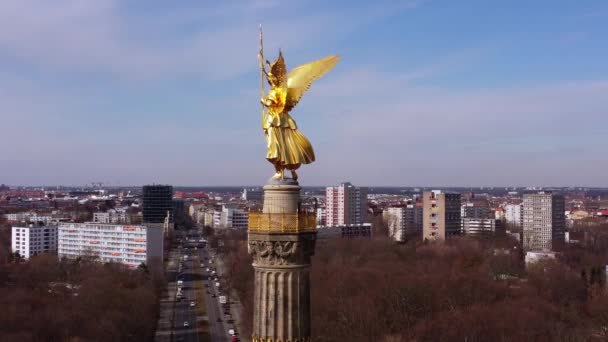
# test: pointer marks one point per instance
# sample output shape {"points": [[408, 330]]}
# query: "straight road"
{"points": [[218, 327], [217, 312], [184, 312]]}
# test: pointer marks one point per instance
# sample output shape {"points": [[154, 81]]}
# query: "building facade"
{"points": [[404, 221], [481, 227], [514, 215], [30, 216], [34, 239], [157, 202], [476, 209], [129, 245], [233, 218], [345, 204], [441, 215], [544, 221], [112, 216]]}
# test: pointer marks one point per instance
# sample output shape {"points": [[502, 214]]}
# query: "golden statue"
{"points": [[287, 147]]}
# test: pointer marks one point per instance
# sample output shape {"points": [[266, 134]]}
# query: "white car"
{"points": [[192, 304], [186, 324]]}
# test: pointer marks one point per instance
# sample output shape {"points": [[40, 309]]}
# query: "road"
{"points": [[175, 312], [184, 312], [217, 319]]}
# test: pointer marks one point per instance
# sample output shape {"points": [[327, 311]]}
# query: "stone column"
{"points": [[281, 263]]}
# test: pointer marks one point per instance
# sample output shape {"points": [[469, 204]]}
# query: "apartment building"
{"points": [[477, 209], [481, 227], [544, 221], [514, 214], [346, 204], [404, 221], [441, 215], [33, 239], [112, 216], [126, 244]]}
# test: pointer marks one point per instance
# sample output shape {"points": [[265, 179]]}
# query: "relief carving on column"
{"points": [[278, 253]]}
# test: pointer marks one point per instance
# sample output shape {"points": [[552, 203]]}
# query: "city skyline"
{"points": [[445, 94]]}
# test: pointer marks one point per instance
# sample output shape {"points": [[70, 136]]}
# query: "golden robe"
{"points": [[286, 145]]}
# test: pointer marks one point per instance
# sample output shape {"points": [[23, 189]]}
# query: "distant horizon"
{"points": [[313, 186]]}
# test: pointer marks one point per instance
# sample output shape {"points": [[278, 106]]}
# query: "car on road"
{"points": [[186, 324], [192, 304], [213, 295], [219, 319], [234, 339]]}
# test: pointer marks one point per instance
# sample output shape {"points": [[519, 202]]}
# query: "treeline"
{"points": [[47, 299], [464, 290]]}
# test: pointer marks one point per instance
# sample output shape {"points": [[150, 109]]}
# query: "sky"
{"points": [[427, 93]]}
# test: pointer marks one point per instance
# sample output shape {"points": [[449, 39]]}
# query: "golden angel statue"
{"points": [[287, 147]]}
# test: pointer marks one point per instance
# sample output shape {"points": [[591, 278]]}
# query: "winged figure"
{"points": [[287, 147]]}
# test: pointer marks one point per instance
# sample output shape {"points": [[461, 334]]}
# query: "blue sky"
{"points": [[458, 93]]}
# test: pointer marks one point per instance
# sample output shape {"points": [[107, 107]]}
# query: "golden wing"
{"points": [[300, 78]]}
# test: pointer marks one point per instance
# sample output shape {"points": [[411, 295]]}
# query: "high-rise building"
{"points": [[34, 239], [346, 204], [129, 245], [404, 221], [179, 212], [441, 215], [157, 202], [544, 221], [514, 215]]}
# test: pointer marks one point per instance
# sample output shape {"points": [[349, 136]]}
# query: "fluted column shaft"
{"points": [[282, 286]]}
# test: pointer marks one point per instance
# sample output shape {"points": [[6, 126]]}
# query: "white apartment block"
{"points": [[321, 217], [480, 227], [514, 214], [29, 216], [544, 221], [346, 204], [129, 245], [32, 240], [404, 221], [112, 216], [229, 217]]}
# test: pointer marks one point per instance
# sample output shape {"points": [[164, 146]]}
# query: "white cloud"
{"points": [[103, 36]]}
